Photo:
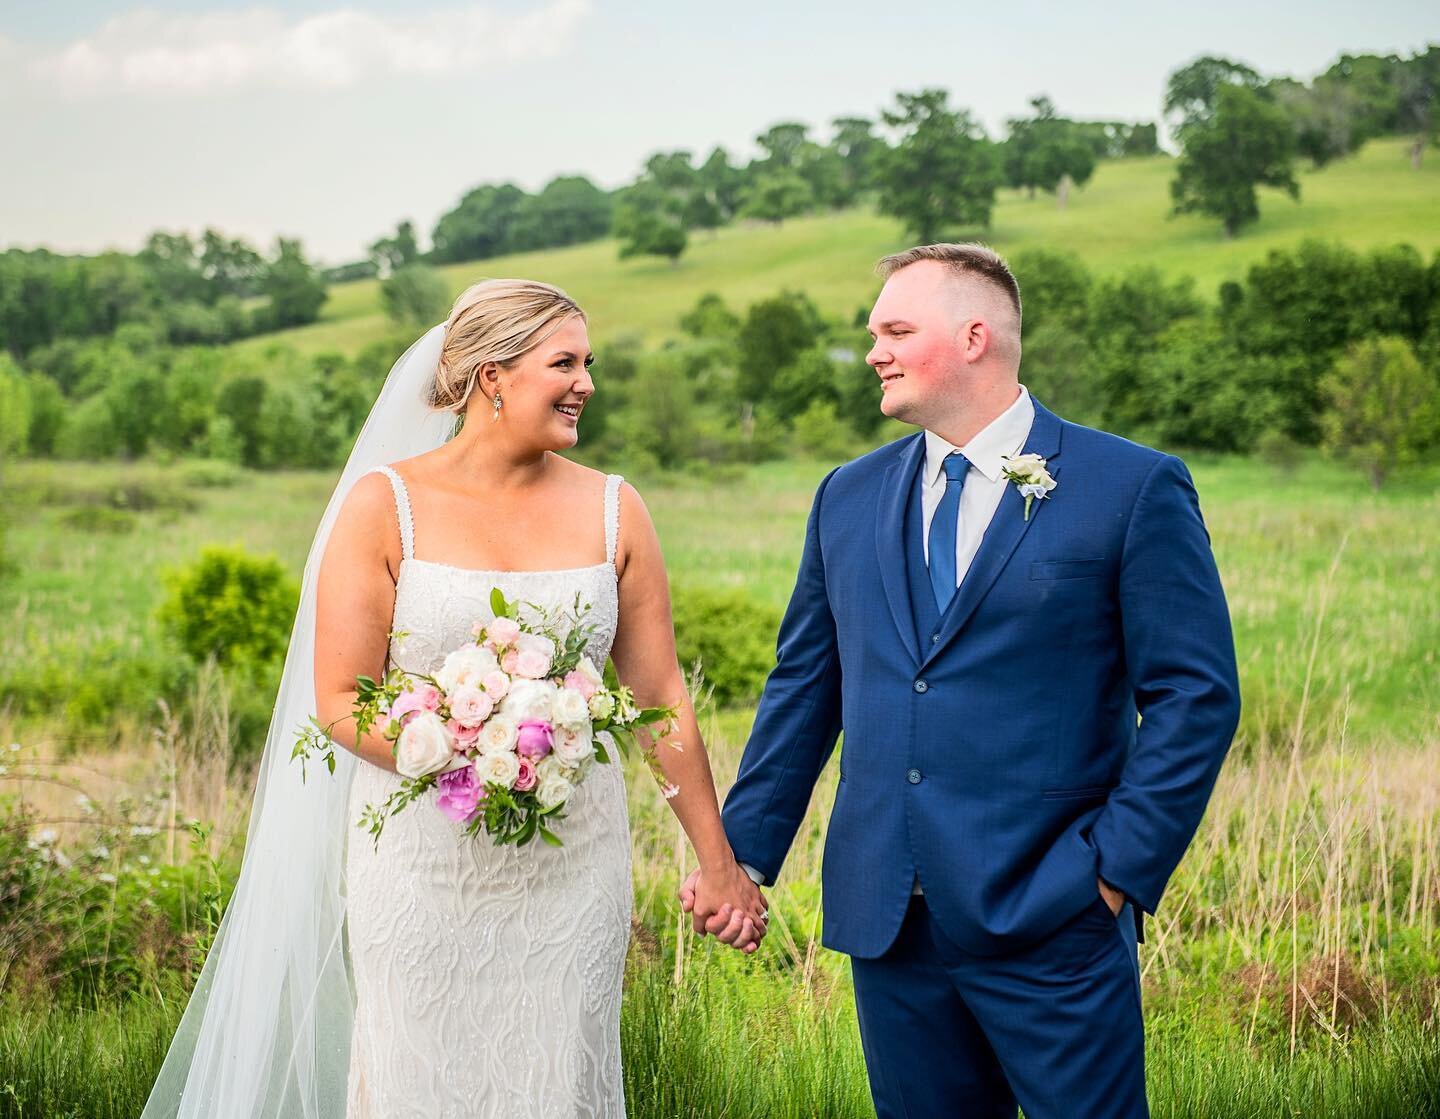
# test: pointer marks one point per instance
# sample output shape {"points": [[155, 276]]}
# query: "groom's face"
{"points": [[919, 340]]}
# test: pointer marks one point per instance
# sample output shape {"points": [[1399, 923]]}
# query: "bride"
{"points": [[428, 974]]}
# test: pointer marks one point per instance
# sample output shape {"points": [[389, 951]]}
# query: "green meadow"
{"points": [[1117, 222]]}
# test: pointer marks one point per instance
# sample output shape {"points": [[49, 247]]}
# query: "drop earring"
{"points": [[495, 415]]}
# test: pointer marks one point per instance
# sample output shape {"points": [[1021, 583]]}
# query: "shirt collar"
{"points": [[1004, 435]]}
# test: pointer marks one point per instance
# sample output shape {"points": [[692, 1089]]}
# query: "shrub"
{"points": [[231, 606], [730, 635], [1384, 407]]}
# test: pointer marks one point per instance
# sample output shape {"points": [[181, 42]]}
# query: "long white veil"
{"points": [[267, 1029]]}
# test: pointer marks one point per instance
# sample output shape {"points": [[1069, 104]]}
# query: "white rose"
{"points": [[497, 769], [469, 664], [574, 744], [553, 790], [423, 747], [529, 701], [602, 705], [497, 735], [587, 669], [571, 709]]}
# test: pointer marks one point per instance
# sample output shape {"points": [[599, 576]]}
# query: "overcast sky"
{"points": [[332, 120]]}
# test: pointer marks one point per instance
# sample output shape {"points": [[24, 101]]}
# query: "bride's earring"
{"points": [[495, 415]]}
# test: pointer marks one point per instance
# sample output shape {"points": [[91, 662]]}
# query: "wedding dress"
{"points": [[487, 979]]}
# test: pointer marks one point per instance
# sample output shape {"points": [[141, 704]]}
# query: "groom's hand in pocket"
{"points": [[726, 904], [1113, 897]]}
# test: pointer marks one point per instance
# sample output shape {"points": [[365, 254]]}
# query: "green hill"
{"points": [[1117, 222]]}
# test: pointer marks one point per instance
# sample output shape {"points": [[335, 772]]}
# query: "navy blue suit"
{"points": [[994, 753]]}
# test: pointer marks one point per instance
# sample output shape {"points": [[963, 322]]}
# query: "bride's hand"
{"points": [[727, 904]]}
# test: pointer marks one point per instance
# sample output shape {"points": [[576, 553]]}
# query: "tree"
{"points": [[774, 333], [710, 318], [230, 605], [1048, 152], [1246, 142], [722, 183], [228, 266], [858, 147], [1193, 91], [390, 254], [479, 226], [1418, 82], [942, 172], [647, 223], [777, 195], [415, 296], [568, 211], [1383, 407], [295, 290]]}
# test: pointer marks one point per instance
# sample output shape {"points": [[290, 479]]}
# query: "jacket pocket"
{"points": [[1083, 792], [1067, 569]]}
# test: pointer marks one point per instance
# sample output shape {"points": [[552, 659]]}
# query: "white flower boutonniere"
{"points": [[1029, 473]]}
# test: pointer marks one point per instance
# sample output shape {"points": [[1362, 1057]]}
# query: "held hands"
{"points": [[1113, 897], [725, 903]]}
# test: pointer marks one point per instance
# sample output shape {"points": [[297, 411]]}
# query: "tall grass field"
{"points": [[1293, 968]]}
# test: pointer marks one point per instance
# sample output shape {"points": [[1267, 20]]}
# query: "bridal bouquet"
{"points": [[504, 732]]}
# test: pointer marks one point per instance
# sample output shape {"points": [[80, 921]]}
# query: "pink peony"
{"points": [[503, 631], [496, 685], [510, 661], [535, 739], [412, 701], [460, 794], [581, 683], [526, 781]]}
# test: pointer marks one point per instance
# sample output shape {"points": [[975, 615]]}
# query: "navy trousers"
{"points": [[1055, 1028]]}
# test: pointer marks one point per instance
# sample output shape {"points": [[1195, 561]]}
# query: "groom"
{"points": [[1036, 693]]}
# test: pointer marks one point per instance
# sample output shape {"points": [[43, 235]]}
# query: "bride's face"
{"points": [[545, 391]]}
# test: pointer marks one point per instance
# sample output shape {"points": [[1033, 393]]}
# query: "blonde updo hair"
{"points": [[499, 321]]}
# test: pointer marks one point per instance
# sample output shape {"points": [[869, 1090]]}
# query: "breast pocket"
{"points": [[1067, 569]]}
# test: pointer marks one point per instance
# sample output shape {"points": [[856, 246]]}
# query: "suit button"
{"points": [[934, 638], [913, 776], [921, 687]]}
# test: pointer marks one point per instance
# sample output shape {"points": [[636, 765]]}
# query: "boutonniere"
{"points": [[1029, 473]]}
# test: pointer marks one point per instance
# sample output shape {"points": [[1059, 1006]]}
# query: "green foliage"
{"points": [[777, 195], [942, 172], [415, 296], [1383, 407], [1047, 152], [231, 606], [730, 635], [294, 289], [390, 254], [822, 434], [774, 332], [648, 222], [479, 225], [1247, 142], [711, 317], [1193, 92]]}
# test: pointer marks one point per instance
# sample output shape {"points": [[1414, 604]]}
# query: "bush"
{"points": [[415, 296], [1384, 407], [231, 606], [731, 636]]}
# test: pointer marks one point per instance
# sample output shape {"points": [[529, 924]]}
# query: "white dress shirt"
{"points": [[984, 483], [979, 498]]}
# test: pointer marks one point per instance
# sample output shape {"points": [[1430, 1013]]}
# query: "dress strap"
{"points": [[402, 511], [612, 515]]}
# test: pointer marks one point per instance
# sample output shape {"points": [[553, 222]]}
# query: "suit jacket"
{"points": [[995, 753]]}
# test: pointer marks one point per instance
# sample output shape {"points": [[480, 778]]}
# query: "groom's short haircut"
{"points": [[967, 259]]}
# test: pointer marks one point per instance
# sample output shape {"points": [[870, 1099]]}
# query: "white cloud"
{"points": [[153, 51]]}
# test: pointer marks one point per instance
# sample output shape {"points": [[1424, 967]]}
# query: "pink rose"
{"points": [[535, 739], [531, 664], [465, 736], [580, 683], [496, 685], [503, 631], [510, 661], [413, 700], [526, 781], [470, 706], [460, 794]]}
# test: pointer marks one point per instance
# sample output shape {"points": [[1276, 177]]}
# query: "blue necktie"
{"points": [[943, 528]]}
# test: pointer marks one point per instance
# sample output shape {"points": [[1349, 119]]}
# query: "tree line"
{"points": [[1317, 346]]}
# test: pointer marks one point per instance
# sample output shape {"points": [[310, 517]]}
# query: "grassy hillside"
{"points": [[1116, 223]]}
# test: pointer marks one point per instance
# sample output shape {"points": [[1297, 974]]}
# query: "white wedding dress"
{"points": [[487, 979]]}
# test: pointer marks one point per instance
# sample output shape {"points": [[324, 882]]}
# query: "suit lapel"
{"points": [[1006, 529], [895, 493]]}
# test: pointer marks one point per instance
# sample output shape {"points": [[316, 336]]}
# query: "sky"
{"points": [[332, 120]]}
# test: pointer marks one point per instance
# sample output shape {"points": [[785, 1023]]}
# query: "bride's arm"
{"points": [[355, 601], [645, 660]]}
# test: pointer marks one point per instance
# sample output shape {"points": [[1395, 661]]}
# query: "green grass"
{"points": [[1117, 222], [1276, 535]]}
